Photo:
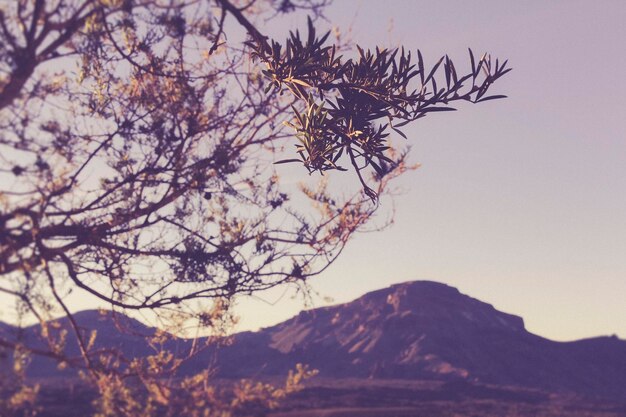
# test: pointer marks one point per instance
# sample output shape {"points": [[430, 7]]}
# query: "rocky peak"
{"points": [[428, 301]]}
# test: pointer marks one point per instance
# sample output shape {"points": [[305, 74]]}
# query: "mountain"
{"points": [[113, 331], [418, 330], [428, 330]]}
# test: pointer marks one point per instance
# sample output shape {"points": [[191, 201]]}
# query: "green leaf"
{"points": [[399, 132], [472, 61], [286, 161], [435, 109], [496, 97]]}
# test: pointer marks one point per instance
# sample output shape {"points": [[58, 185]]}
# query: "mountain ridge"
{"points": [[417, 330]]}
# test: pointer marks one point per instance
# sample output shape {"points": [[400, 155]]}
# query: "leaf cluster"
{"points": [[351, 105]]}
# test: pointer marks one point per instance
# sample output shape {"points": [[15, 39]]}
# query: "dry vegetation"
{"points": [[137, 148]]}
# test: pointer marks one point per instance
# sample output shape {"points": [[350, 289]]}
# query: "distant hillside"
{"points": [[113, 331], [415, 331], [428, 330]]}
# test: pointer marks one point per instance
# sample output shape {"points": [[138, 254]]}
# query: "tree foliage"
{"points": [[139, 141], [350, 105]]}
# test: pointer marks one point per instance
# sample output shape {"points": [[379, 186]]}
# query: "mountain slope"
{"points": [[113, 331], [427, 330], [418, 330]]}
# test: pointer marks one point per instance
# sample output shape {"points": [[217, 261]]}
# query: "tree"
{"points": [[140, 147]]}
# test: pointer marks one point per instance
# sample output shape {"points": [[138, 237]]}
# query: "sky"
{"points": [[520, 202]]}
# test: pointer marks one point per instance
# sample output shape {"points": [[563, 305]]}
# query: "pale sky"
{"points": [[521, 202]]}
